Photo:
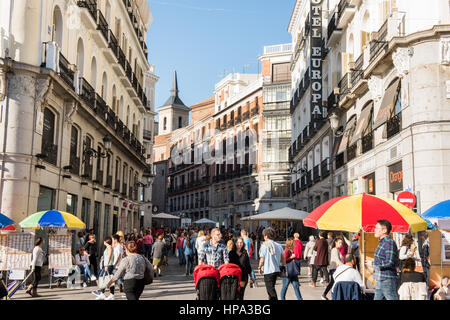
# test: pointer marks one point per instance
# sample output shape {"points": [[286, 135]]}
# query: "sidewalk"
{"points": [[174, 285]]}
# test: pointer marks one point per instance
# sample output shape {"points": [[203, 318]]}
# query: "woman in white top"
{"points": [[309, 252], [408, 250], [200, 240], [36, 266], [336, 260]]}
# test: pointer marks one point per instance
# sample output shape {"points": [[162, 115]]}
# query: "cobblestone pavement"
{"points": [[173, 285]]}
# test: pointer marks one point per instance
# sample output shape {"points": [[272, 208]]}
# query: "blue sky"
{"points": [[202, 39]]}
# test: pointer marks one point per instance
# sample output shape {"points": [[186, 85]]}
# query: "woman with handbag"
{"points": [[133, 269], [292, 271], [336, 260], [106, 271]]}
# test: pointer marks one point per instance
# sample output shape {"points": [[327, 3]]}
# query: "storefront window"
{"points": [[46, 199], [71, 204]]}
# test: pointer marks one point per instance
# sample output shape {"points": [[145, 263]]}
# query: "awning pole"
{"points": [[364, 260]]}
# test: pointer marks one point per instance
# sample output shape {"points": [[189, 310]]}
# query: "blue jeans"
{"points": [[86, 271], [295, 285], [101, 273], [386, 289], [189, 263], [181, 258], [148, 251]]}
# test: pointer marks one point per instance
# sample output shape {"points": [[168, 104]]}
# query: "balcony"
{"points": [[344, 86], [111, 118], [346, 11], [306, 135], [393, 125], [246, 115], [87, 93], [367, 142], [376, 46], [316, 173], [50, 151], [74, 165], [280, 78], [351, 152], [324, 169], [100, 107], [102, 25], [113, 44], [65, 71], [89, 18], [334, 33], [357, 72], [304, 183]]}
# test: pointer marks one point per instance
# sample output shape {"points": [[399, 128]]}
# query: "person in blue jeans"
{"points": [[188, 246], [289, 255], [385, 263], [107, 267], [82, 261]]}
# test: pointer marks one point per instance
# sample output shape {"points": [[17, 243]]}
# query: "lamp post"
{"points": [[337, 131]]}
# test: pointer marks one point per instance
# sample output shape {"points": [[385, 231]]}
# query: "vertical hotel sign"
{"points": [[316, 60]]}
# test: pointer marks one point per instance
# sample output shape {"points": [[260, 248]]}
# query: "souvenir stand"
{"points": [[60, 254], [15, 251]]}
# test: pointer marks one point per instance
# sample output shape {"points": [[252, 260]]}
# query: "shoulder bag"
{"points": [[148, 273]]}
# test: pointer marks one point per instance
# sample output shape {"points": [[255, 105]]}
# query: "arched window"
{"points": [[80, 57], [48, 136], [74, 159], [94, 73], [165, 123], [325, 148], [104, 86], [88, 143], [120, 111], [134, 124], [180, 122], [128, 116], [57, 32], [108, 13]]}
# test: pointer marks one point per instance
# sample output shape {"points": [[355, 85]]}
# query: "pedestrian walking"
{"points": [[188, 247], [107, 267], [385, 263], [37, 261], [132, 269], [213, 252], [158, 254], [91, 250], [425, 256], [148, 242], [239, 256], [201, 238], [413, 284], [83, 262], [355, 250], [336, 260], [321, 259], [272, 257], [247, 241], [298, 247], [310, 253], [292, 273], [179, 247]]}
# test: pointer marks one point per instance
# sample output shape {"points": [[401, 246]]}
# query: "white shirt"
{"points": [[118, 252], [198, 242], [38, 257], [342, 274]]}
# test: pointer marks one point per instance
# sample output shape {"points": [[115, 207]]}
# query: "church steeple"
{"points": [[174, 89], [174, 99]]}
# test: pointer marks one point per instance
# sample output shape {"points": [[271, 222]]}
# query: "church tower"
{"points": [[173, 114]]}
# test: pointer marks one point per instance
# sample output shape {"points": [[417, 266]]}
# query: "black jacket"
{"points": [[91, 248], [243, 262]]}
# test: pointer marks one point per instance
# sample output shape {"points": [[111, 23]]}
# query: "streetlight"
{"points": [[333, 118]]}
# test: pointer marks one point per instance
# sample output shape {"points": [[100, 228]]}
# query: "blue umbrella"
{"points": [[440, 211], [6, 223]]}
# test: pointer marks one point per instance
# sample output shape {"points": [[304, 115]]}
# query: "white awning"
{"points": [[284, 214], [164, 216], [204, 220]]}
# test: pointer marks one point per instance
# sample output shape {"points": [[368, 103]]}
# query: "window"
{"points": [[180, 122], [97, 209], [106, 222], [74, 160], [165, 123], [46, 199], [280, 189], [71, 204], [48, 137], [86, 212], [87, 159], [57, 26], [281, 72]]}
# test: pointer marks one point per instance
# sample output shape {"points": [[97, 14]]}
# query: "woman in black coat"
{"points": [[239, 256]]}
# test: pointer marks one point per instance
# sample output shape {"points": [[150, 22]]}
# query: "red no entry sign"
{"points": [[407, 199]]}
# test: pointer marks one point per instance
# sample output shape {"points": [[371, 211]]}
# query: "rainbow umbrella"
{"points": [[361, 212], [6, 223], [52, 218]]}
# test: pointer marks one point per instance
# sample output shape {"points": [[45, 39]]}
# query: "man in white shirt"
{"points": [[117, 256], [347, 272]]}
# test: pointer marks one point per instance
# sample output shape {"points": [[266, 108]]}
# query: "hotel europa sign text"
{"points": [[317, 112]]}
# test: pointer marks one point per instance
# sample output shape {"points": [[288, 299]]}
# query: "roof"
{"points": [[174, 100]]}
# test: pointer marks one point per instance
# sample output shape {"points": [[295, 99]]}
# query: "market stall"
{"points": [[359, 213]]}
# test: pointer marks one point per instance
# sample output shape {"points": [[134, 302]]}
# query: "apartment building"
{"points": [[76, 110], [388, 66]]}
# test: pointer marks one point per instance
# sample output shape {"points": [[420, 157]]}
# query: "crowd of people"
{"points": [[329, 256]]}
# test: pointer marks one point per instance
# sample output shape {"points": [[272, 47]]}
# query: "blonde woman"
{"points": [[123, 253], [201, 238], [230, 245]]}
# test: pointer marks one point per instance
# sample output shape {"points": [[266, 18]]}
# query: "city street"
{"points": [[173, 285]]}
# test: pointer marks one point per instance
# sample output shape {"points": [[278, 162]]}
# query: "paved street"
{"points": [[173, 285]]}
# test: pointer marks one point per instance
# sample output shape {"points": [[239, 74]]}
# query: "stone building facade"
{"points": [[76, 79], [388, 65]]}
